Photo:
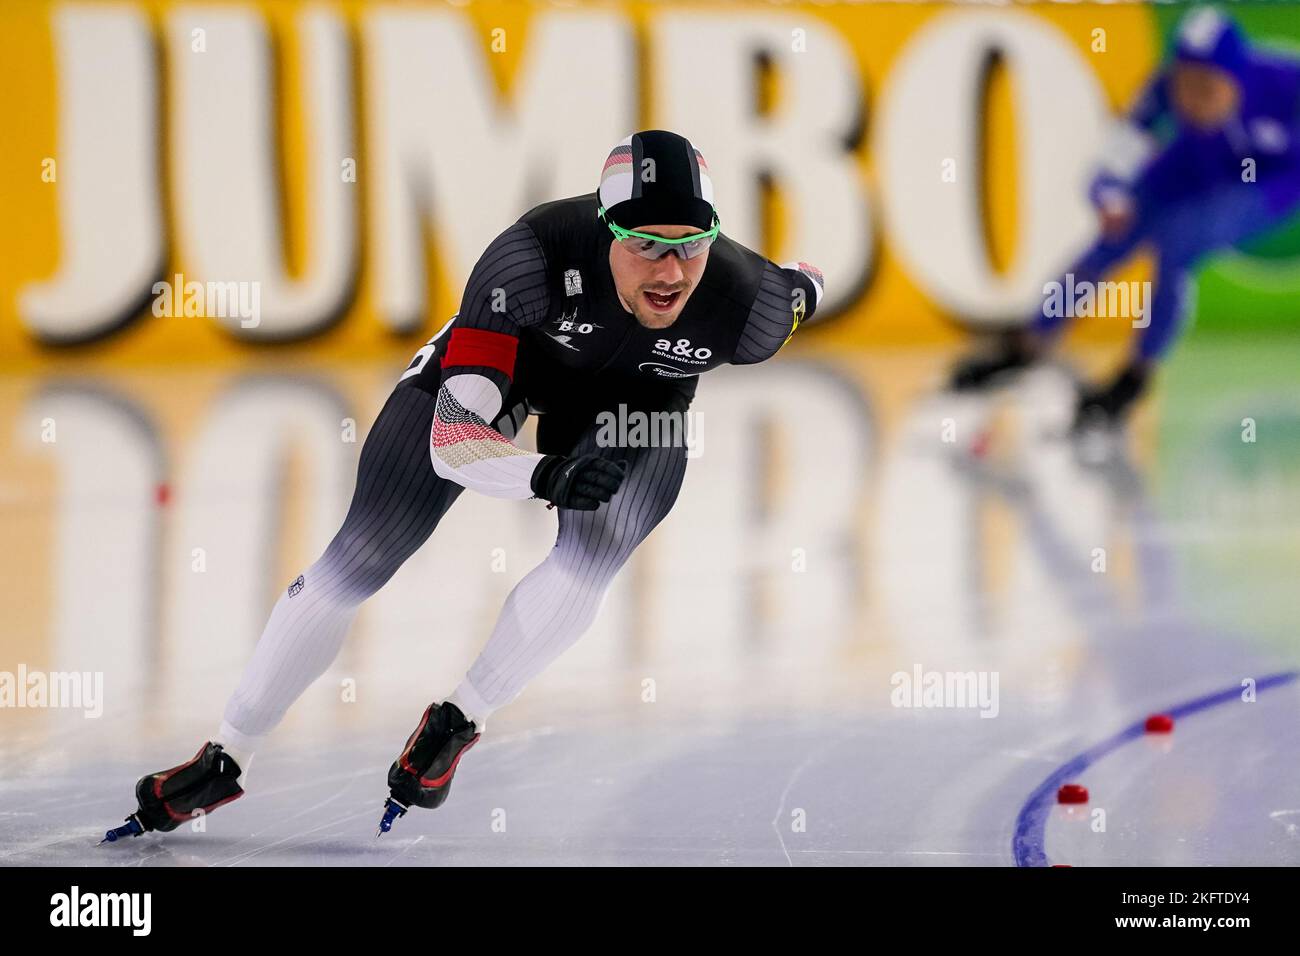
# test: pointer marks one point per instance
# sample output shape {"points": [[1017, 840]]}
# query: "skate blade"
{"points": [[392, 811], [132, 828]]}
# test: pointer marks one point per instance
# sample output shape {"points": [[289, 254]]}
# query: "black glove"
{"points": [[579, 484]]}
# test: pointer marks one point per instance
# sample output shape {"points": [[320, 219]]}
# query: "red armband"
{"points": [[480, 347]]}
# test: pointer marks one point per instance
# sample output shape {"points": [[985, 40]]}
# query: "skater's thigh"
{"points": [[396, 451], [656, 466], [399, 498]]}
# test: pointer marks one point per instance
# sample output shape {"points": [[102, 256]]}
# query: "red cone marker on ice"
{"points": [[1160, 724], [1072, 793]]}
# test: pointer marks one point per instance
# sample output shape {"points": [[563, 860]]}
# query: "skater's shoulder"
{"points": [[733, 274], [570, 224]]}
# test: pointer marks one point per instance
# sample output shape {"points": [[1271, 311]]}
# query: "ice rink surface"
{"points": [[843, 528]]}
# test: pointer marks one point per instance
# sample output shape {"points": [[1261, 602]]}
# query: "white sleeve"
{"points": [[467, 450]]}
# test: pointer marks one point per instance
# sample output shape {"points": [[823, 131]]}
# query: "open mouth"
{"points": [[662, 301]]}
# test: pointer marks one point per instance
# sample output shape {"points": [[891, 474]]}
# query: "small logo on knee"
{"points": [[296, 586]]}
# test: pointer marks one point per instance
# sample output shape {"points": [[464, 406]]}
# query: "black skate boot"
{"points": [[421, 776], [1105, 408], [169, 798], [980, 371]]}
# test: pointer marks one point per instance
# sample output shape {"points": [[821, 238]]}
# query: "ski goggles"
{"points": [[656, 247]]}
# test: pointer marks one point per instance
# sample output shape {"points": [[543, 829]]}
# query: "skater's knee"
{"points": [[608, 537], [358, 563], [601, 553], [574, 577]]}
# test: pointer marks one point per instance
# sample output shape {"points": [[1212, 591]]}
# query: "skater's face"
{"points": [[1204, 96], [655, 290]]}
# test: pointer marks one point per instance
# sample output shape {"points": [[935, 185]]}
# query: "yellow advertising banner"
{"points": [[208, 180]]}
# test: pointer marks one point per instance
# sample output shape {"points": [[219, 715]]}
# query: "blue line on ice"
{"points": [[1027, 845]]}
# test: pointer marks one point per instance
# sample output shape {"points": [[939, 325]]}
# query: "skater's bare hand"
{"points": [[583, 483]]}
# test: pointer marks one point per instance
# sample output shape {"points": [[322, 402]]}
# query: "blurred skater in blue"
{"points": [[1208, 157]]}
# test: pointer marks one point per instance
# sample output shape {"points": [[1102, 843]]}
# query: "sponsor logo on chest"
{"points": [[682, 351], [567, 326], [687, 359]]}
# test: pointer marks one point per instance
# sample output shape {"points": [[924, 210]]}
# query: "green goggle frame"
{"points": [[659, 245]]}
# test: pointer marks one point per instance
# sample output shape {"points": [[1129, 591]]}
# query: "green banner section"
{"points": [[1229, 459]]}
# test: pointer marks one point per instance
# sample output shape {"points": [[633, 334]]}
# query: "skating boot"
{"points": [[169, 798], [421, 776]]}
